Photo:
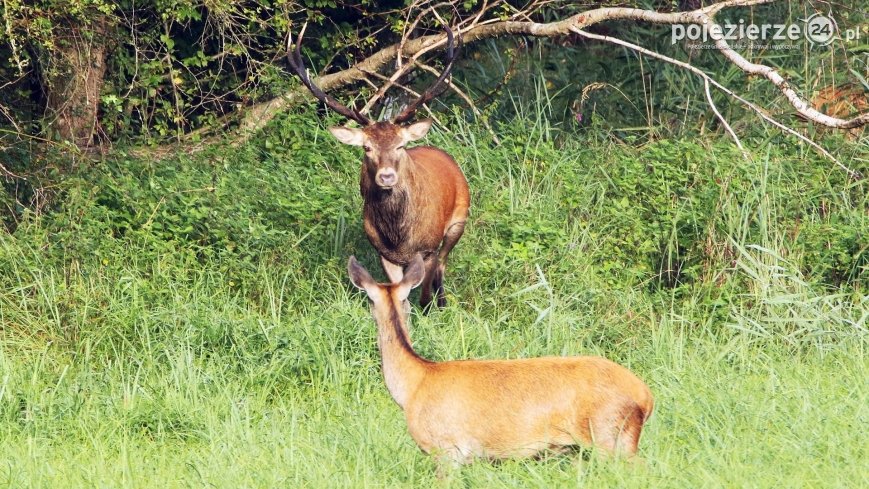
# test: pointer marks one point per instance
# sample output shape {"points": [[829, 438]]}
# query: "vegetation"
{"points": [[189, 321], [92, 73], [181, 315]]}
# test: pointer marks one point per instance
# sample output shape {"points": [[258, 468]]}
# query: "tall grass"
{"points": [[144, 348]]}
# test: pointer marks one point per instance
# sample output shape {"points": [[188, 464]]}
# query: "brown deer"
{"points": [[415, 199], [494, 409]]}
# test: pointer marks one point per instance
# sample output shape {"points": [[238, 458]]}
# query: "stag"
{"points": [[416, 199]]}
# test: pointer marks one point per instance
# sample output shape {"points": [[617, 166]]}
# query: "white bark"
{"points": [[258, 115]]}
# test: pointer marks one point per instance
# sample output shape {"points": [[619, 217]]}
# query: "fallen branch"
{"points": [[258, 115], [772, 75], [708, 79], [723, 121]]}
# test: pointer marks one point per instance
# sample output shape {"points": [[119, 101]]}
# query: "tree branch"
{"points": [[723, 121], [798, 103], [458, 91], [708, 79], [260, 114]]}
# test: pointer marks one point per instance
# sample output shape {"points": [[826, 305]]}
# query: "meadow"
{"points": [[188, 321]]}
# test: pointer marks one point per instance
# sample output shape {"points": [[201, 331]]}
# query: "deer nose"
{"points": [[387, 177]]}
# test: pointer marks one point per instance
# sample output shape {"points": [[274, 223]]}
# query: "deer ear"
{"points": [[348, 135], [360, 276], [413, 276], [417, 130]]}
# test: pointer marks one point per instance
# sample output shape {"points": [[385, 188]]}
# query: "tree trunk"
{"points": [[73, 81]]}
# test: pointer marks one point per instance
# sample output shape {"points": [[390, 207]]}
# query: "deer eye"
{"points": [[366, 148]]}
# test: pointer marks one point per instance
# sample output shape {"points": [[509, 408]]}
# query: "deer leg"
{"points": [[449, 462], [451, 237], [431, 264], [394, 271], [619, 432], [629, 433], [437, 283]]}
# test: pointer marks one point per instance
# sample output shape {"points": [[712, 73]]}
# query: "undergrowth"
{"points": [[189, 321]]}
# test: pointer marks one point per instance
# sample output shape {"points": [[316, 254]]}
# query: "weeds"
{"points": [[189, 322]]}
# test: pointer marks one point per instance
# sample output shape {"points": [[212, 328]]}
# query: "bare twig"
{"points": [[693, 69], [468, 101], [723, 120], [5, 171], [779, 81], [261, 113], [397, 85]]}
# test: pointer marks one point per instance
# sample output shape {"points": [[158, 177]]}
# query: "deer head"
{"points": [[384, 141]]}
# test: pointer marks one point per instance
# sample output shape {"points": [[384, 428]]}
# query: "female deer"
{"points": [[461, 410], [415, 200]]}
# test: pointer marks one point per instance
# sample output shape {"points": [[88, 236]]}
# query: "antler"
{"points": [[433, 91], [294, 57]]}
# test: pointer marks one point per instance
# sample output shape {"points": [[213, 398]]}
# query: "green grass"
{"points": [[142, 347]]}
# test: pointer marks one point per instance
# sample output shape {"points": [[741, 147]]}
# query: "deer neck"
{"points": [[388, 209], [403, 369]]}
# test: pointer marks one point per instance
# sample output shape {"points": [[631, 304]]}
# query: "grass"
{"points": [[135, 357]]}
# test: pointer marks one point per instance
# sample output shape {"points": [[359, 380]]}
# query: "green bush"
{"points": [[165, 318]]}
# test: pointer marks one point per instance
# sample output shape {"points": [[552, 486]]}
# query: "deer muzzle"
{"points": [[386, 178]]}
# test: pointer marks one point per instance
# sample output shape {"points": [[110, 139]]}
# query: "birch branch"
{"points": [[708, 79], [260, 114], [779, 81], [723, 121]]}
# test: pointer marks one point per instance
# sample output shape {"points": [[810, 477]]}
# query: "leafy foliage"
{"points": [[177, 310], [189, 318], [175, 66]]}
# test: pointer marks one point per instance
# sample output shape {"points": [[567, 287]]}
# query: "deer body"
{"points": [[425, 212], [495, 409], [518, 408], [415, 200]]}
